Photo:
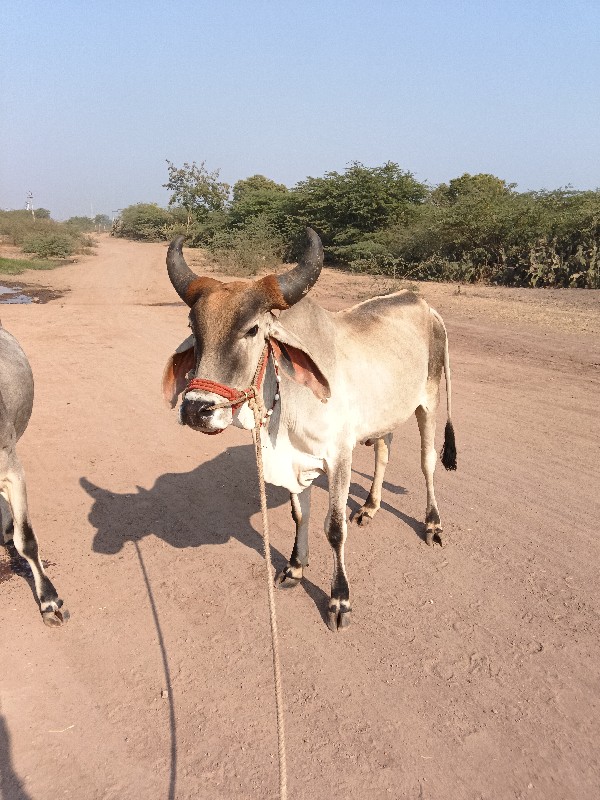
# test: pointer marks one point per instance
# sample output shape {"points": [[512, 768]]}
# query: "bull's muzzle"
{"points": [[197, 412]]}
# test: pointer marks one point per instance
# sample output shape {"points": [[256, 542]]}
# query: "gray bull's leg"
{"points": [[339, 610], [6, 523], [292, 574], [373, 501], [426, 420], [51, 606]]}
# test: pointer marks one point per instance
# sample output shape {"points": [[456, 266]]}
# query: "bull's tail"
{"points": [[448, 454]]}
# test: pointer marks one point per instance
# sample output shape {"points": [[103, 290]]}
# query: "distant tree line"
{"points": [[381, 220]]}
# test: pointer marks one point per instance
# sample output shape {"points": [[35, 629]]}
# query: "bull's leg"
{"points": [[339, 610], [51, 606], [6, 523], [373, 501], [292, 574], [426, 417]]}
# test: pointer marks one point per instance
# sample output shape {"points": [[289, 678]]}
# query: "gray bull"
{"points": [[332, 380], [16, 400]]}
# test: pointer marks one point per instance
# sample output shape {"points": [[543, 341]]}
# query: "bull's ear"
{"points": [[177, 367], [297, 364]]}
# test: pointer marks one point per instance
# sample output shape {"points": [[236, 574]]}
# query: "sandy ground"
{"points": [[469, 672]]}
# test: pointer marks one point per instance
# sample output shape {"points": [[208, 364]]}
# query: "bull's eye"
{"points": [[252, 331]]}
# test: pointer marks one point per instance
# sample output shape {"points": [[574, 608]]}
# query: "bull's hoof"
{"points": [[338, 617], [285, 582], [363, 517], [55, 614], [288, 578], [433, 534]]}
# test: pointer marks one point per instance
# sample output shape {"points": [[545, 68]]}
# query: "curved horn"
{"points": [[180, 274], [296, 283]]}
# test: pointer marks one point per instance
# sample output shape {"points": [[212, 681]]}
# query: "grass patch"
{"points": [[14, 266]]}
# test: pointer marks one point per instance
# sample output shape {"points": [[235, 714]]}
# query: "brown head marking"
{"points": [[200, 286], [269, 286]]}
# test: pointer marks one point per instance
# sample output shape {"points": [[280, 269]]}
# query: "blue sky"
{"points": [[95, 96]]}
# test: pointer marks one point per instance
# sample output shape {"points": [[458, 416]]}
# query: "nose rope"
{"points": [[234, 397]]}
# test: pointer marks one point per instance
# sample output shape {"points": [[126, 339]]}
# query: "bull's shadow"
{"points": [[11, 786], [207, 505]]}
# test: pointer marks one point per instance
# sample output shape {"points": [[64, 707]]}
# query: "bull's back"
{"points": [[385, 344], [16, 385]]}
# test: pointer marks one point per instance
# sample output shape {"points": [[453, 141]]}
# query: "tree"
{"points": [[258, 196], [348, 208], [362, 199], [481, 188], [145, 221], [256, 185], [81, 224], [102, 222], [41, 213], [196, 190]]}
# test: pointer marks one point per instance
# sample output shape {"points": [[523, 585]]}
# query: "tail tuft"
{"points": [[448, 454]]}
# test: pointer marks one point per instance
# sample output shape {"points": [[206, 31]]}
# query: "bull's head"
{"points": [[230, 324]]}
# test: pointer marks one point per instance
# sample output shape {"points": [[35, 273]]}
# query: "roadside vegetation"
{"points": [[49, 243], [382, 221], [14, 266]]}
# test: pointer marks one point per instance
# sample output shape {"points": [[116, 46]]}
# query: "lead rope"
{"points": [[252, 396], [272, 615]]}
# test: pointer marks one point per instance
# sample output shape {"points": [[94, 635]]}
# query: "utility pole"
{"points": [[29, 204]]}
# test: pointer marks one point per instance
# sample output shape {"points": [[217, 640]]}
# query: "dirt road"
{"points": [[470, 672]]}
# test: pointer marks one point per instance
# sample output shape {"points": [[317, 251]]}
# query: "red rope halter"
{"points": [[235, 398]]}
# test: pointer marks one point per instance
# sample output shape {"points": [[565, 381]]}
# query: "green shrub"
{"points": [[15, 225], [44, 237], [50, 244], [247, 250]]}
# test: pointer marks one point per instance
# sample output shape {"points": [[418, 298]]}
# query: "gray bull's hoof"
{"points": [[54, 614], [339, 615]]}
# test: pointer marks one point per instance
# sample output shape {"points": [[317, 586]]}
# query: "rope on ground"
{"points": [[272, 615]]}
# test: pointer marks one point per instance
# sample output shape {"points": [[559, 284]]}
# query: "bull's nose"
{"points": [[196, 413]]}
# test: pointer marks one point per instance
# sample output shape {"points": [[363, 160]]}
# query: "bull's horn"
{"points": [[296, 283], [180, 274]]}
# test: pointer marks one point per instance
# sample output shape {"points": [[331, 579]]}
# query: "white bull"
{"points": [[332, 380]]}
